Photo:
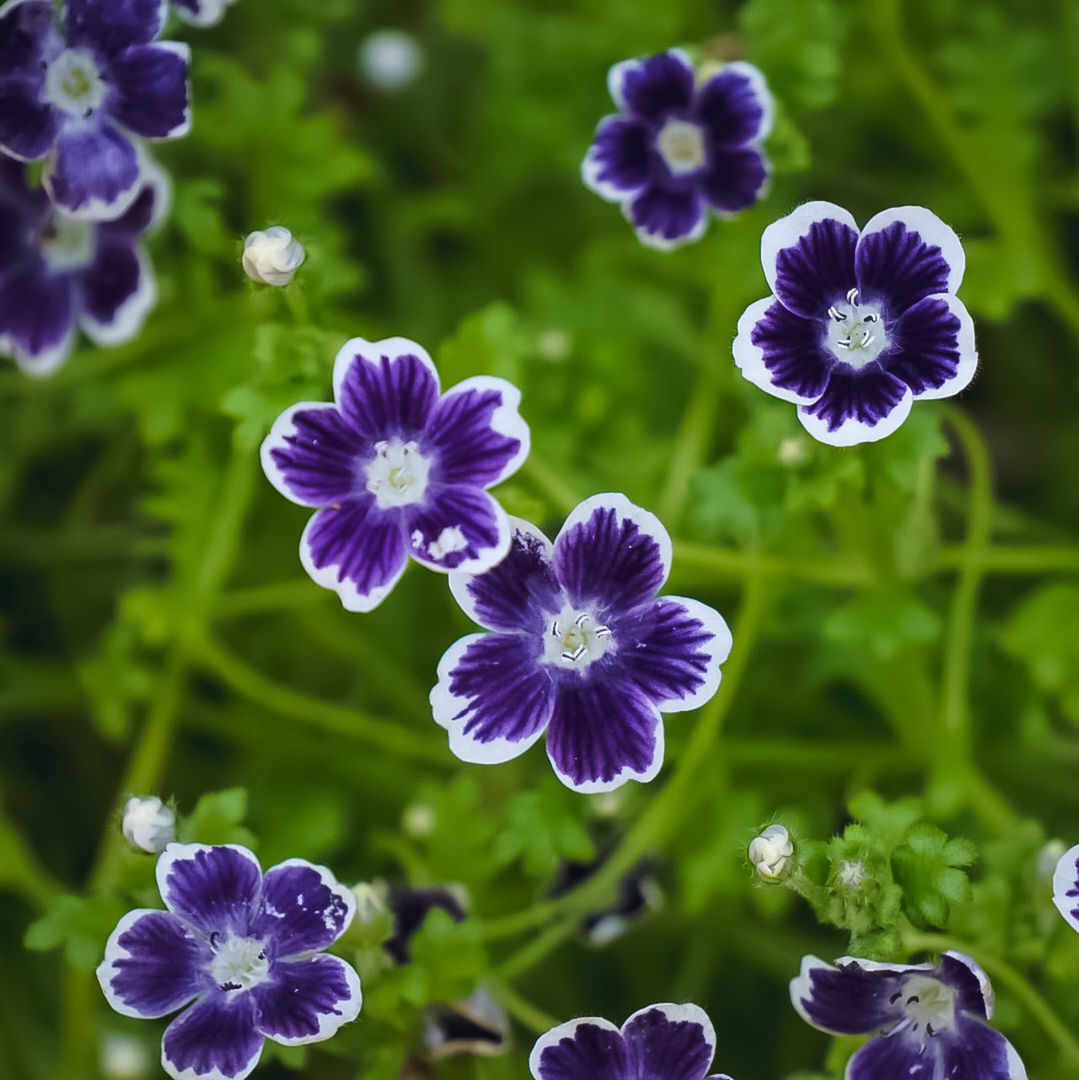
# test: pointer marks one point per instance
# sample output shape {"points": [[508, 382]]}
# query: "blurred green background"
{"points": [[904, 613]]}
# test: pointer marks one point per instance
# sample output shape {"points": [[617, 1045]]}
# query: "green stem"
{"points": [[714, 563], [524, 1012], [690, 449], [259, 599], [325, 716], [1033, 559], [1004, 973], [550, 483]]}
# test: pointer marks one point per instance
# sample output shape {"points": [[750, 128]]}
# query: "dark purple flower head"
{"points": [[240, 952], [860, 324], [929, 1021], [397, 470], [680, 146], [1066, 886], [660, 1042], [201, 12], [581, 648], [410, 908], [57, 272], [75, 95]]}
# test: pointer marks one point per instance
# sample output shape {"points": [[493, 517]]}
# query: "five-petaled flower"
{"points": [[581, 648], [241, 949], [57, 273], [1066, 886], [397, 470], [928, 1021], [75, 97], [860, 324], [680, 146], [659, 1042]]}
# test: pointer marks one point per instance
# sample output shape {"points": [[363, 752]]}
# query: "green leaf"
{"points": [[81, 925], [217, 819]]}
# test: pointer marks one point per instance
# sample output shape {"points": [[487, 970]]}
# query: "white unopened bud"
{"points": [[123, 1057], [771, 851], [272, 255], [371, 902], [793, 451], [390, 59], [148, 824], [1048, 857], [419, 820]]}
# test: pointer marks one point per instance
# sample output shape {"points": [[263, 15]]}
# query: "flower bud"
{"points": [[390, 59], [272, 255], [148, 824], [771, 851]]}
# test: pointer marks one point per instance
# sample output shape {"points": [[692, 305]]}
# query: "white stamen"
{"points": [[73, 84], [397, 476], [681, 145], [583, 641], [239, 963]]}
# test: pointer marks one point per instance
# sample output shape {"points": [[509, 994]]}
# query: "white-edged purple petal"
{"points": [[517, 592], [306, 1001], [735, 105], [1066, 886], [602, 734], [302, 908], [932, 347], [610, 554], [27, 28], [905, 254], [215, 1039], [669, 1042], [28, 125], [782, 353], [476, 432], [111, 25], [974, 991], [213, 888], [589, 1048], [859, 405], [457, 527], [149, 209], [735, 179], [37, 320], [355, 549], [153, 964], [312, 456], [665, 217], [619, 161], [677, 647], [93, 171], [651, 86], [894, 1059], [116, 293], [853, 997], [151, 91], [385, 388], [201, 12], [808, 257], [493, 696]]}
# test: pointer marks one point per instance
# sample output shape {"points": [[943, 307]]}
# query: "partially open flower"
{"points": [[771, 851], [272, 256], [148, 824], [927, 1021]]}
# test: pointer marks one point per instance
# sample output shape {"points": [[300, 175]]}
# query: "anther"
{"points": [[836, 314], [895, 997], [576, 654], [581, 619], [852, 296]]}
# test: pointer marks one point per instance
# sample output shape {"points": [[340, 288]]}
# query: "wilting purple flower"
{"points": [[1066, 886], [201, 12], [75, 96], [397, 470], [660, 1042], [929, 1021], [581, 648], [241, 952], [680, 148], [57, 272], [860, 324]]}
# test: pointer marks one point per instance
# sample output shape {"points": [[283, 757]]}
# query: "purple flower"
{"points": [[860, 324], [201, 12], [1066, 886], [928, 1021], [57, 272], [660, 1042], [581, 648], [75, 96], [680, 147], [240, 952], [397, 470]]}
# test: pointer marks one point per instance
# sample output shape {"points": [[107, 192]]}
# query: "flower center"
{"points": [[929, 1004], [576, 639], [73, 83], [66, 244], [856, 331], [681, 145], [239, 963], [397, 474]]}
